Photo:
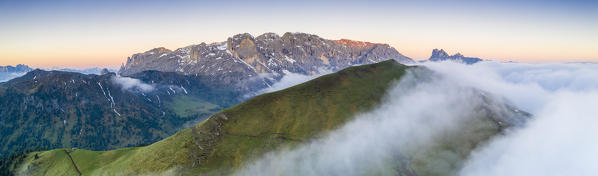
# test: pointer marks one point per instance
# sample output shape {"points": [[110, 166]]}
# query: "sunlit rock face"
{"points": [[251, 63]]}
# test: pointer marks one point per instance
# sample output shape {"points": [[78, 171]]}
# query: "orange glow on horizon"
{"points": [[103, 34], [113, 56]]}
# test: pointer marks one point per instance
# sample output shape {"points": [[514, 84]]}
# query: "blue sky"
{"points": [[104, 33]]}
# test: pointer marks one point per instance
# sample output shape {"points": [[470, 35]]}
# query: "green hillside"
{"points": [[55, 109], [236, 135]]}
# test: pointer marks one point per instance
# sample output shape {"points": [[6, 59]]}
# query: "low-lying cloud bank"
{"points": [[292, 79], [561, 140], [8, 76], [558, 140], [132, 84], [529, 86], [416, 113]]}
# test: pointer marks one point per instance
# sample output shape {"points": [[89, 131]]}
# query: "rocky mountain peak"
{"points": [[242, 36], [354, 43], [241, 58], [159, 50], [300, 35], [441, 55], [269, 35], [438, 53], [242, 46]]}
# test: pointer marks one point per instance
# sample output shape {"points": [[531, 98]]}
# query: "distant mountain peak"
{"points": [[9, 72], [441, 55], [438, 53], [104, 71], [17, 68]]}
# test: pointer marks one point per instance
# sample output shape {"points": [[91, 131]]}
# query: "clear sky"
{"points": [[86, 33]]}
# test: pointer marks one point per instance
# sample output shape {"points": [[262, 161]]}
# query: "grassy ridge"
{"points": [[236, 135], [300, 112]]}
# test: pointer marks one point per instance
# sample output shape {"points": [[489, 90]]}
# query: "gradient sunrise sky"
{"points": [[85, 33]]}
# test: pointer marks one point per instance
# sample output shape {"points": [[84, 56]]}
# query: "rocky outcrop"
{"points": [[441, 55], [251, 63]]}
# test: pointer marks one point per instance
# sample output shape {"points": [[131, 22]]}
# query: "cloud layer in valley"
{"points": [[416, 112], [292, 79], [557, 141], [132, 84], [560, 140], [8, 76]]}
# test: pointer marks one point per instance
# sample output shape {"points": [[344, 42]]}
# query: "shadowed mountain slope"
{"points": [[53, 109]]}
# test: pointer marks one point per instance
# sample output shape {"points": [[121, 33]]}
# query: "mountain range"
{"points": [[159, 92], [93, 70], [10, 72], [231, 138], [252, 63]]}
